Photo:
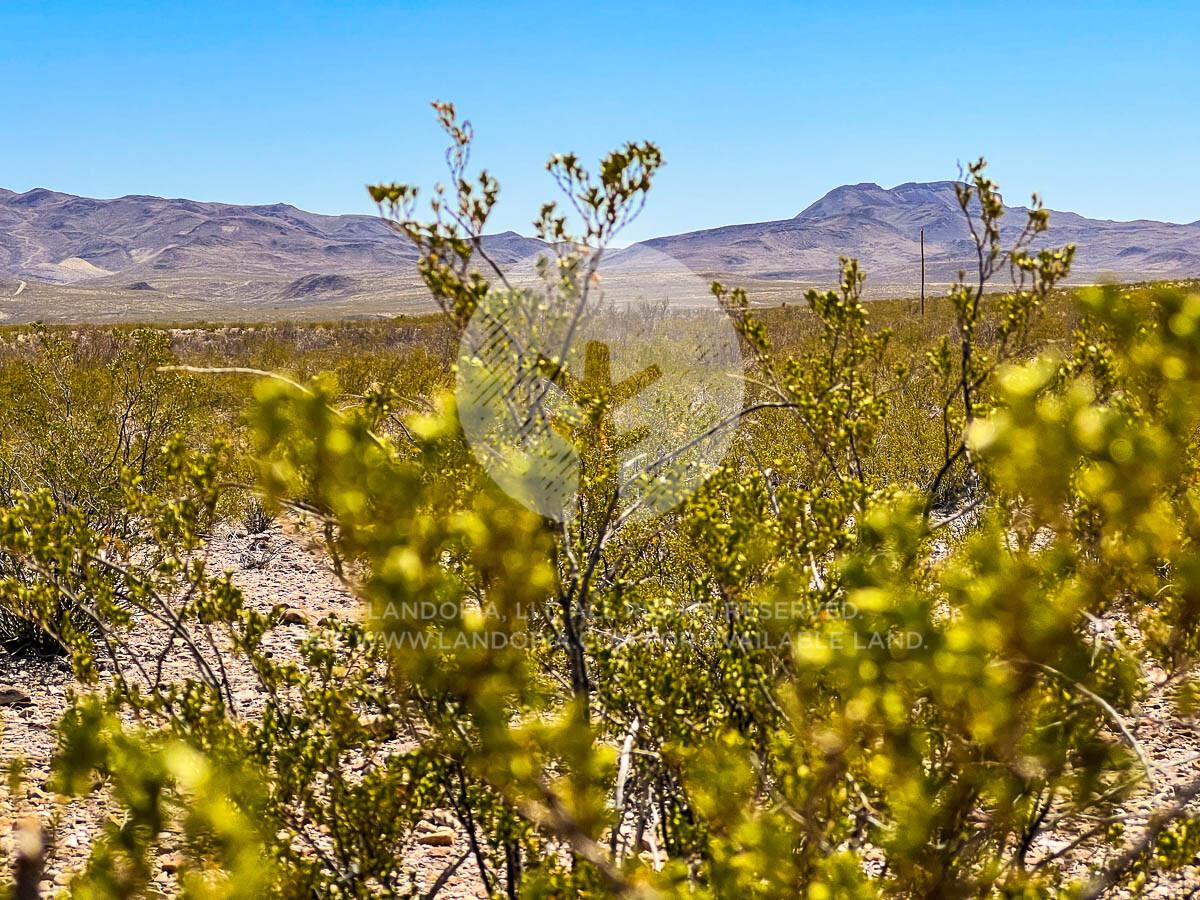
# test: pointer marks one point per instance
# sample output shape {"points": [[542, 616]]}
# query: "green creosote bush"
{"points": [[84, 425], [859, 661]]}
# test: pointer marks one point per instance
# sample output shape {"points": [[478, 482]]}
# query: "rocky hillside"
{"points": [[61, 238], [192, 248], [882, 228], [222, 259]]}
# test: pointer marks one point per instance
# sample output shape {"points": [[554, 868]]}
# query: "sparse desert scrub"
{"points": [[863, 659]]}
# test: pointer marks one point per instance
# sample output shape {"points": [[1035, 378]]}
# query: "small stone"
{"points": [[293, 616], [171, 864], [441, 837], [13, 696]]}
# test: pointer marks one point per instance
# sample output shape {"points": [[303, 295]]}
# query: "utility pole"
{"points": [[922, 271]]}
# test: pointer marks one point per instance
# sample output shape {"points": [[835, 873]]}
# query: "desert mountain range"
{"points": [[278, 257], [882, 229]]}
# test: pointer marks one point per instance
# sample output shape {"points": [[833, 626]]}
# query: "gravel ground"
{"points": [[278, 567], [271, 568]]}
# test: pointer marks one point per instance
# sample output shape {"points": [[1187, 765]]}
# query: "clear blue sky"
{"points": [[758, 111]]}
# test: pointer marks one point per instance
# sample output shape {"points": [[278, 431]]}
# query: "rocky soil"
{"points": [[279, 566], [275, 567]]}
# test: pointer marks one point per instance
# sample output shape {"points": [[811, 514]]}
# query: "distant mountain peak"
{"points": [[212, 253], [882, 227], [934, 186], [253, 251], [849, 193], [869, 195], [37, 196]]}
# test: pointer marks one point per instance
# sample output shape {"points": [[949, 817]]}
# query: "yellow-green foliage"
{"points": [[857, 662]]}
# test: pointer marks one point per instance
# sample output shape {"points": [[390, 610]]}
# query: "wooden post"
{"points": [[922, 271]]}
